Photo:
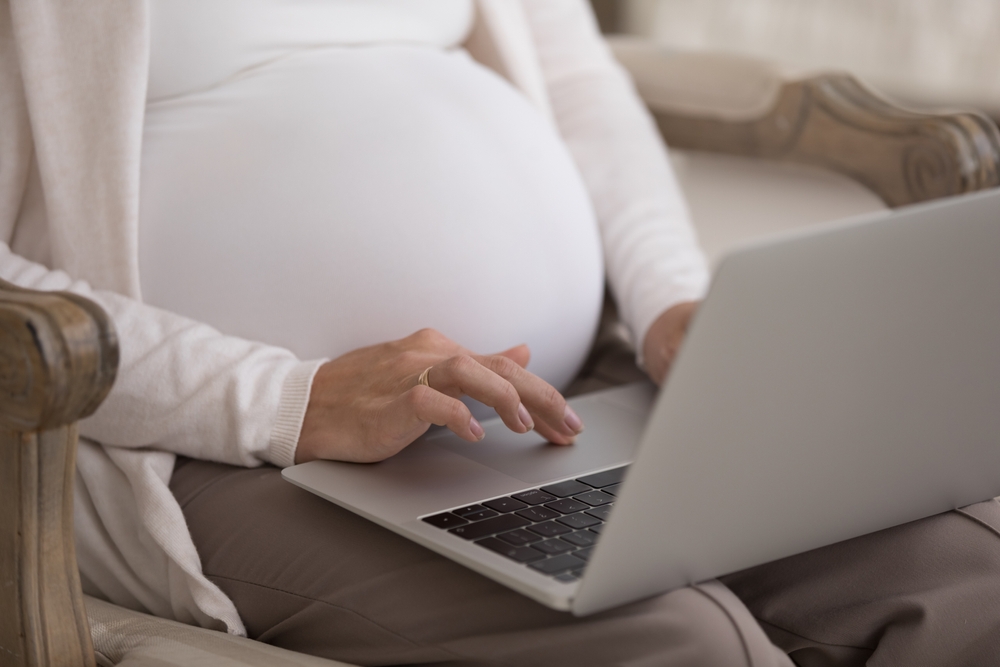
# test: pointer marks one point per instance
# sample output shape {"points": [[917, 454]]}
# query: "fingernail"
{"points": [[573, 421], [477, 429], [522, 414]]}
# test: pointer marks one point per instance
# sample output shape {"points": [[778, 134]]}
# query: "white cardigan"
{"points": [[72, 97]]}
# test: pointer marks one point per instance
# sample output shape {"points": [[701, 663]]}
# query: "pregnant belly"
{"points": [[341, 197]]}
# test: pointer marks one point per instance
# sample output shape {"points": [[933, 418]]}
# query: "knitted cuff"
{"points": [[291, 413]]}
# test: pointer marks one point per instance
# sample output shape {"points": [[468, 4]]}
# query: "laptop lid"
{"points": [[835, 382]]}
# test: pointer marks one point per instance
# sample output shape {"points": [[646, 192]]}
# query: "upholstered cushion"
{"points": [[714, 85], [734, 200], [130, 639]]}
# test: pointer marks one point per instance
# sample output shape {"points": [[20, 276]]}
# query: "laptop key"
{"points": [[567, 506], [581, 538], [538, 514], [505, 504], [548, 529], [480, 515], [566, 578], [445, 520], [595, 498], [584, 553], [534, 497], [597, 529], [498, 524], [468, 509], [552, 547], [601, 512], [576, 521], [613, 489], [558, 564], [567, 488], [519, 537], [520, 554], [606, 478]]}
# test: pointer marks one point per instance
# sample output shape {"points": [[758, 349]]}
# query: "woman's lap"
{"points": [[310, 576], [924, 593]]}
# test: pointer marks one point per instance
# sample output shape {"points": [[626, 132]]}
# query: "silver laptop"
{"points": [[835, 382]]}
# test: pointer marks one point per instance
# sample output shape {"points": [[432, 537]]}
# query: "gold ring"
{"points": [[423, 377]]}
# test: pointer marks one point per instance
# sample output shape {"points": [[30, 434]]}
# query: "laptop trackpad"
{"points": [[612, 429]]}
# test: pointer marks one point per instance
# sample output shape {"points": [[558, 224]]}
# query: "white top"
{"points": [[195, 44], [331, 196], [74, 82]]}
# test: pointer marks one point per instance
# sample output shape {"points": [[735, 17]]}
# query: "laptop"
{"points": [[836, 381]]}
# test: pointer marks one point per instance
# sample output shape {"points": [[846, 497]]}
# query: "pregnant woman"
{"points": [[319, 225]]}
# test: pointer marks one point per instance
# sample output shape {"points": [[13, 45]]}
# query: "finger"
{"points": [[519, 354], [543, 401], [665, 337], [462, 374], [420, 406], [552, 435], [424, 377], [659, 366]]}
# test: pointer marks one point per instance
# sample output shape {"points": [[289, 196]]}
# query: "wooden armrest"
{"points": [[58, 359], [727, 104]]}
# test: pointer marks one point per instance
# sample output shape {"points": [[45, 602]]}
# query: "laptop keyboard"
{"points": [[551, 529]]}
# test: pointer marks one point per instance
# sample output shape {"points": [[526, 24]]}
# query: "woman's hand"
{"points": [[664, 339], [368, 404]]}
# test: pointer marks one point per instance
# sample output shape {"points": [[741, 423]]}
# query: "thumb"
{"points": [[519, 354]]}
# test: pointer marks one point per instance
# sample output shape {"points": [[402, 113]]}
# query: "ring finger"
{"points": [[464, 375]]}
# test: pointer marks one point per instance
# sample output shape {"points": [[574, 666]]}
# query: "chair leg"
{"points": [[42, 618]]}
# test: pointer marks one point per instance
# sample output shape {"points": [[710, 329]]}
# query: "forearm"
{"points": [[183, 386], [651, 254]]}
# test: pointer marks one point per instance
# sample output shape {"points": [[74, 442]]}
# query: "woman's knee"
{"points": [[723, 631]]}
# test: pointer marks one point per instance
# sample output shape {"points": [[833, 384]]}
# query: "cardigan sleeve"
{"points": [[184, 387], [651, 255]]}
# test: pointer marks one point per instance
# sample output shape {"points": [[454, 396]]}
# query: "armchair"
{"points": [[58, 358], [58, 352], [790, 150]]}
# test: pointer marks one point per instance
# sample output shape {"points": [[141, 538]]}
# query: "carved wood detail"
{"points": [[834, 122], [58, 359]]}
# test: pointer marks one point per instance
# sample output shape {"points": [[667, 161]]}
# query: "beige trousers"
{"points": [[312, 577]]}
